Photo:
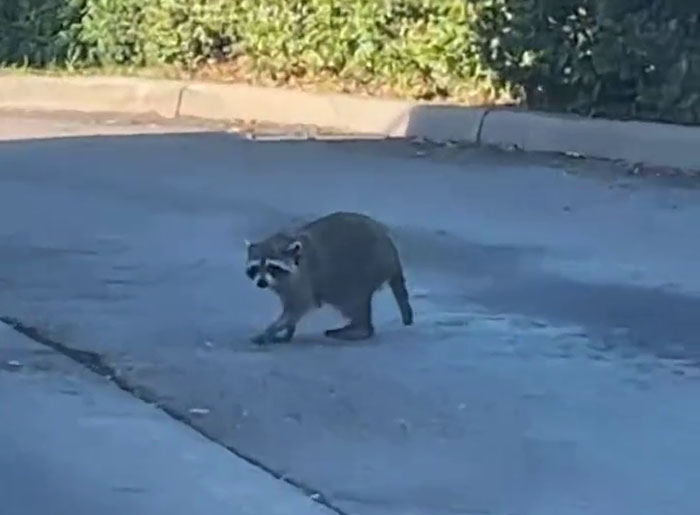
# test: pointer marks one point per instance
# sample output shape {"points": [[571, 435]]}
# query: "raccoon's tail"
{"points": [[397, 283]]}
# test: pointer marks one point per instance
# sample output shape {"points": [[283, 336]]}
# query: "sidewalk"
{"points": [[634, 142], [73, 443]]}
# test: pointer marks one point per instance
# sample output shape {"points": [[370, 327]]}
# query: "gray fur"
{"points": [[340, 259]]}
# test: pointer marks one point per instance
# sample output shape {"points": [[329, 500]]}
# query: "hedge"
{"points": [[39, 32], [615, 58], [621, 59], [424, 48]]}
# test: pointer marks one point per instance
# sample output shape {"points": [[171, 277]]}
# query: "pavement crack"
{"points": [[97, 364], [480, 128], [178, 103]]}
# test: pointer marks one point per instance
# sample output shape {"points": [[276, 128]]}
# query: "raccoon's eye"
{"points": [[252, 271], [277, 270]]}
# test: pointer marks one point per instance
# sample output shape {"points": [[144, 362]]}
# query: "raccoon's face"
{"points": [[270, 263]]}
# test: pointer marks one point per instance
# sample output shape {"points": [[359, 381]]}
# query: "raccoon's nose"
{"points": [[261, 283]]}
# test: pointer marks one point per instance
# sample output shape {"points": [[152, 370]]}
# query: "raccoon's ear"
{"points": [[294, 248], [248, 244]]}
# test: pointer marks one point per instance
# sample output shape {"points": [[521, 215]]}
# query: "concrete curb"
{"points": [[91, 94], [637, 142]]}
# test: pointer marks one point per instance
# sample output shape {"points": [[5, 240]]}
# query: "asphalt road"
{"points": [[552, 370]]}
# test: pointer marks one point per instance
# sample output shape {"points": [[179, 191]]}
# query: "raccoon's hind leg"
{"points": [[360, 326], [398, 287]]}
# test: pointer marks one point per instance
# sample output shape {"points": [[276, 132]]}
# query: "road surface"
{"points": [[552, 369]]}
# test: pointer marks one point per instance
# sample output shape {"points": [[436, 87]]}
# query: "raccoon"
{"points": [[341, 260]]}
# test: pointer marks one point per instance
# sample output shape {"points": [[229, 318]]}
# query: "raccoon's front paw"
{"points": [[260, 339], [268, 337]]}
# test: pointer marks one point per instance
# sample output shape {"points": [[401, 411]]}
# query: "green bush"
{"points": [[114, 32], [616, 58], [423, 47], [39, 32], [420, 48], [620, 59], [154, 32]]}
